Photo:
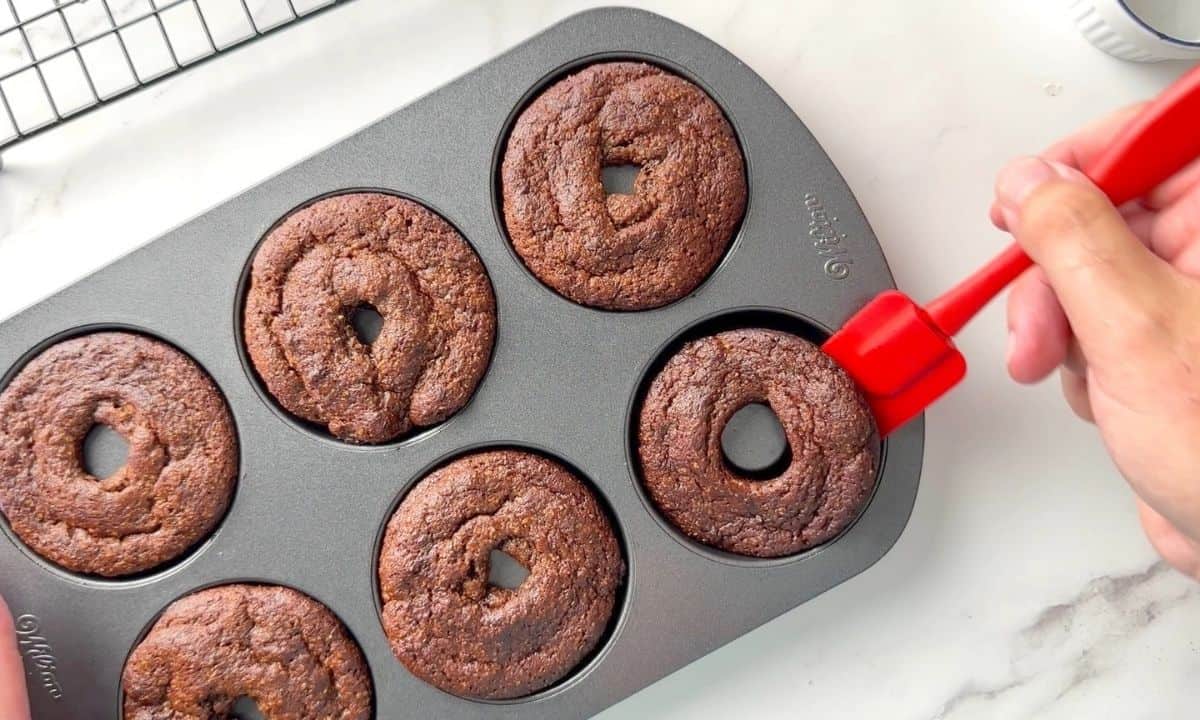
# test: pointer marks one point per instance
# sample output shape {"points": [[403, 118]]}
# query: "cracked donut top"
{"points": [[829, 431], [274, 645], [337, 255], [178, 477], [622, 251], [453, 629]]}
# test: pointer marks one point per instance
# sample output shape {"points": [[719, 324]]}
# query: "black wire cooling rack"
{"points": [[60, 59]]}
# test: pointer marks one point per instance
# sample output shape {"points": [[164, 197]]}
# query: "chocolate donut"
{"points": [[279, 647], [336, 255], [453, 629], [176, 482], [618, 251], [828, 426]]}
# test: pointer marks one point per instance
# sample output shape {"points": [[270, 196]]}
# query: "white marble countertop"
{"points": [[1022, 587]]}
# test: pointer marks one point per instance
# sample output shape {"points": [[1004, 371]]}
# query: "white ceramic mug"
{"points": [[1141, 30]]}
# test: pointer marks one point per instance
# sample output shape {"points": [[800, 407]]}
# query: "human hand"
{"points": [[14, 703], [1114, 303]]}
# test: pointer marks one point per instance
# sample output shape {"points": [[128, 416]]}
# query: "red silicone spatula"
{"points": [[901, 354]]}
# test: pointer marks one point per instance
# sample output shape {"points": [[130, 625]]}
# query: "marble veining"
{"points": [[1076, 642]]}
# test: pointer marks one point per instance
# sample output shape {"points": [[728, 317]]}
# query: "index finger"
{"points": [[1080, 149]]}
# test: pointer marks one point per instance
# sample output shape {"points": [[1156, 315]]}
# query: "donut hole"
{"points": [[244, 708], [505, 571], [104, 451], [366, 321], [754, 444], [619, 179]]}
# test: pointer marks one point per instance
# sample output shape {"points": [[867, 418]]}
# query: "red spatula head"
{"points": [[901, 354], [900, 359]]}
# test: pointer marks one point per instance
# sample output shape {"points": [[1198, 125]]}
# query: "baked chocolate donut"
{"points": [[828, 426], [277, 646], [336, 255], [453, 629], [618, 251], [177, 480]]}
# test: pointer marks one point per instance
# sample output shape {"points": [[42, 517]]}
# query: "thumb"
{"points": [[1116, 293]]}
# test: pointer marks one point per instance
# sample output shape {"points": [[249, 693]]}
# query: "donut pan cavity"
{"points": [[563, 380]]}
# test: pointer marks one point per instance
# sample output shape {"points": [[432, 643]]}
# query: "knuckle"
{"points": [[1061, 207], [1142, 331], [1151, 320], [1159, 350], [1146, 320]]}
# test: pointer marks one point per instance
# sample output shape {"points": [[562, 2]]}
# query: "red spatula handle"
{"points": [[1158, 143]]}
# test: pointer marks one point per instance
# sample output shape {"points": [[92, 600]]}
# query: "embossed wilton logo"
{"points": [[826, 238], [38, 654]]}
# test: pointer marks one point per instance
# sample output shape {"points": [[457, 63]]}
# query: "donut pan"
{"points": [[564, 379]]}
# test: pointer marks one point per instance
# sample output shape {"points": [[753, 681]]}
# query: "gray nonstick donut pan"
{"points": [[564, 379]]}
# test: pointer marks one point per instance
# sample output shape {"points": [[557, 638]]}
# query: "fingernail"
{"points": [[1019, 179]]}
